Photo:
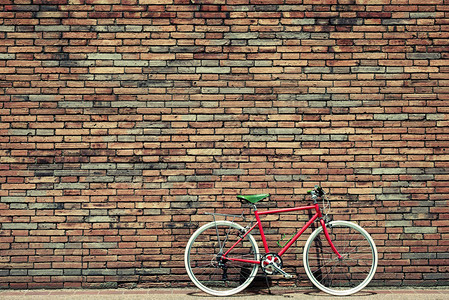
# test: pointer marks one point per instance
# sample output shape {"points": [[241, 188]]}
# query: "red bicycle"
{"points": [[222, 257]]}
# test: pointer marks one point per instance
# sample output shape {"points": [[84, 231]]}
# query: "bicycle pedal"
{"points": [[288, 276]]}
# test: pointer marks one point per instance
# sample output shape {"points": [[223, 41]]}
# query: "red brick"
{"points": [[154, 117]]}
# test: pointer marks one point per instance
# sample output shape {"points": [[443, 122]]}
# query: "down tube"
{"points": [[298, 234]]}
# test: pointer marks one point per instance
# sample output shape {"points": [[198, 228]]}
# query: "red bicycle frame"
{"points": [[317, 215]]}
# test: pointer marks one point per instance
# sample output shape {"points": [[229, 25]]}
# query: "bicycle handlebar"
{"points": [[316, 192]]}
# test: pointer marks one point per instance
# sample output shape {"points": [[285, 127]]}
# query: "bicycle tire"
{"points": [[202, 264], [346, 276]]}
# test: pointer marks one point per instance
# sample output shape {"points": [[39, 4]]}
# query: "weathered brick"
{"points": [[121, 124], [368, 69], [398, 223], [423, 55], [213, 70], [45, 272], [56, 28], [101, 219], [104, 56], [19, 226], [319, 70]]}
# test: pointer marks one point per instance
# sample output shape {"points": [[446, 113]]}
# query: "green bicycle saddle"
{"points": [[253, 198]]}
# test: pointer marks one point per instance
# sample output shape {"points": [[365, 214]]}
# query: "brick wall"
{"points": [[123, 121]]}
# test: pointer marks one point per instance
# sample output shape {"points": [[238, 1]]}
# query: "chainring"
{"points": [[268, 261]]}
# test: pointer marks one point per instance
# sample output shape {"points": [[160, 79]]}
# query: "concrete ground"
{"points": [[191, 294]]}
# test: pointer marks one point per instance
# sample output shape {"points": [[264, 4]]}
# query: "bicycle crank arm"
{"points": [[285, 274]]}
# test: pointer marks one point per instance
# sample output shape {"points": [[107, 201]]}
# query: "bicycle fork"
{"points": [[328, 238]]}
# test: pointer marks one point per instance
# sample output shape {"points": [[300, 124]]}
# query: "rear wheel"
{"points": [[343, 276], [203, 261]]}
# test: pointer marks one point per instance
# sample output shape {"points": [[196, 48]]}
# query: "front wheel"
{"points": [[205, 267], [351, 273]]}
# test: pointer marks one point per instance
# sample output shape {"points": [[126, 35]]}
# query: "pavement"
{"points": [[191, 294]]}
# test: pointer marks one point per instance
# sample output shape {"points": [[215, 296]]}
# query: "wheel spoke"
{"points": [[340, 276], [203, 260]]}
